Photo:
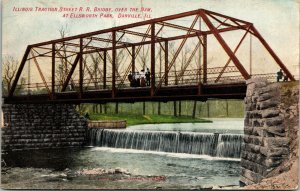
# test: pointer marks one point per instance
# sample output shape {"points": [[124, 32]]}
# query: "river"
{"points": [[144, 156]]}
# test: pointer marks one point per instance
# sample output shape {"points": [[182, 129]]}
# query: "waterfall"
{"points": [[213, 144]]}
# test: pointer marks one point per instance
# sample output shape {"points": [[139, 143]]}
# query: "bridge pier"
{"points": [[38, 126], [271, 129]]}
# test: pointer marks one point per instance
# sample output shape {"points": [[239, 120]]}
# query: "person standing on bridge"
{"points": [[130, 78], [279, 75], [147, 77], [142, 76], [138, 80]]}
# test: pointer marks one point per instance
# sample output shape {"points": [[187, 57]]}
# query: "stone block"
{"points": [[265, 96], [251, 148], [253, 139], [276, 141], [273, 152], [254, 177], [274, 161], [274, 121], [27, 136], [257, 122], [16, 136], [264, 90], [270, 113], [250, 107], [252, 166], [248, 130], [79, 139], [259, 131], [254, 98], [248, 122], [258, 81], [267, 104], [247, 100], [254, 157]]}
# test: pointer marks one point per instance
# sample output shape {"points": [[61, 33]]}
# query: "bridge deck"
{"points": [[170, 93]]}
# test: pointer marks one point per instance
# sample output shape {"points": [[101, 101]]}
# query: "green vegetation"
{"points": [[164, 112], [215, 108], [133, 119]]}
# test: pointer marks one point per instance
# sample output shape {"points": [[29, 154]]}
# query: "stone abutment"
{"points": [[33, 126], [270, 129]]}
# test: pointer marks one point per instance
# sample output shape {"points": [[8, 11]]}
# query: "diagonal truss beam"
{"points": [[228, 61], [188, 62], [270, 50], [18, 74], [225, 46], [70, 73], [95, 63], [40, 72]]}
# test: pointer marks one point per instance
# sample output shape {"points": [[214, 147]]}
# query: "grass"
{"points": [[133, 119]]}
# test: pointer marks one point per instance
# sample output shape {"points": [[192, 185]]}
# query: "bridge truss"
{"points": [[93, 67]]}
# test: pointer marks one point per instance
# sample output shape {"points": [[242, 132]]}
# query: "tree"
{"points": [[9, 70], [62, 68]]}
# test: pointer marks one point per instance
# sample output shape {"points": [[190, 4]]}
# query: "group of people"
{"points": [[139, 79], [280, 75]]}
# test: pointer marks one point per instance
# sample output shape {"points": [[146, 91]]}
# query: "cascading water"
{"points": [[213, 144]]}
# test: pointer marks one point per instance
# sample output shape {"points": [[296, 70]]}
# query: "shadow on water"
{"points": [[56, 159]]}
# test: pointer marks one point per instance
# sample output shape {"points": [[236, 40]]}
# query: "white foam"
{"points": [[175, 155]]}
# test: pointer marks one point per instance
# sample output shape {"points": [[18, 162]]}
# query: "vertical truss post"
{"points": [[200, 56], [113, 64], [224, 45], [152, 59], [133, 59], [199, 88], [81, 69], [104, 69], [204, 58], [275, 57], [53, 72], [166, 61], [24, 59]]}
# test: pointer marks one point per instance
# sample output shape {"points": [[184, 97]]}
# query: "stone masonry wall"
{"points": [[267, 140], [31, 126]]}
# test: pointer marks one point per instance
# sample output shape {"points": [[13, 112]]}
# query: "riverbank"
{"points": [[286, 180], [135, 119]]}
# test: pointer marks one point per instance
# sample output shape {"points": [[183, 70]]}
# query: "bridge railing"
{"points": [[175, 78]]}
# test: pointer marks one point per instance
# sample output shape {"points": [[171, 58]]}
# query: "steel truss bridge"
{"points": [[94, 67]]}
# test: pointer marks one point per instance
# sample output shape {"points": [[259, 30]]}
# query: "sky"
{"points": [[276, 20]]}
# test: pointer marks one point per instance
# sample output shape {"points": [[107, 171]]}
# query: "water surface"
{"points": [[148, 165]]}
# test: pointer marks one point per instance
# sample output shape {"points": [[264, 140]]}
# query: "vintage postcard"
{"points": [[145, 94]]}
